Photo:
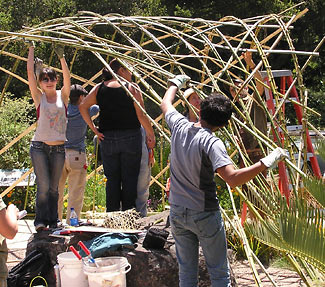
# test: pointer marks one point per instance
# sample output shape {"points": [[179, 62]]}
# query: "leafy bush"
{"points": [[95, 184], [16, 116]]}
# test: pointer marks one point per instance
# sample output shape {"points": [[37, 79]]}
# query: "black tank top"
{"points": [[117, 111]]}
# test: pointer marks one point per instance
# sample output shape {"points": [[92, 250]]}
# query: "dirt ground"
{"points": [[282, 277]]}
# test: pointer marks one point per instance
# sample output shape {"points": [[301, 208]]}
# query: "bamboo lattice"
{"points": [[156, 48], [210, 52]]}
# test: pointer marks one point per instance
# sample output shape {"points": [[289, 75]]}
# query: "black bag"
{"points": [[37, 263], [155, 238]]}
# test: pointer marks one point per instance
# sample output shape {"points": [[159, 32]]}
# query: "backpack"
{"points": [[37, 263], [155, 238]]}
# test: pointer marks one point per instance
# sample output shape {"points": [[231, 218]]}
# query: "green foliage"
{"points": [[182, 12], [223, 195], [152, 7], [292, 230], [16, 116], [162, 152], [264, 253], [95, 185], [306, 34], [217, 9], [316, 101], [280, 262], [5, 21], [314, 185], [316, 188]]}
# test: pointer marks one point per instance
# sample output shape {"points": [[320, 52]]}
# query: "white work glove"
{"points": [[38, 64], [271, 160], [180, 81]]}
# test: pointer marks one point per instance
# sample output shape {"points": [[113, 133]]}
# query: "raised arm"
{"points": [[32, 82], [167, 102], [84, 110], [175, 84], [249, 61], [144, 121], [65, 90]]}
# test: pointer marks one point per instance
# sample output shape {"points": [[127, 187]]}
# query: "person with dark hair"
{"points": [[75, 165], [47, 146], [120, 119], [196, 154]]}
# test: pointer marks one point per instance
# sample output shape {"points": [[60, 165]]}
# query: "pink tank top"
{"points": [[52, 120]]}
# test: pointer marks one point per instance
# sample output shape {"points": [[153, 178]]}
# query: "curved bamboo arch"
{"points": [[157, 48]]}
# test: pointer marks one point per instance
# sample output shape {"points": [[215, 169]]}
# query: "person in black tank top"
{"points": [[119, 134]]}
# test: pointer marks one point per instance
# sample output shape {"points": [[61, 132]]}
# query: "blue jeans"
{"points": [[143, 179], [121, 155], [48, 163], [191, 228]]}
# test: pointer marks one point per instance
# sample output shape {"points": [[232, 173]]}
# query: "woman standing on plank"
{"points": [[47, 146]]}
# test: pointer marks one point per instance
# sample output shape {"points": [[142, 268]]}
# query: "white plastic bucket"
{"points": [[71, 272], [109, 273]]}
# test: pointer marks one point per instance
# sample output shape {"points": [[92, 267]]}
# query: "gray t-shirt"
{"points": [[195, 155]]}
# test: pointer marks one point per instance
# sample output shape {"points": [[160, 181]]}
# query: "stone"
{"points": [[149, 268]]}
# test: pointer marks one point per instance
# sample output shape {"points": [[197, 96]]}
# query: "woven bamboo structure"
{"points": [[156, 48], [210, 52]]}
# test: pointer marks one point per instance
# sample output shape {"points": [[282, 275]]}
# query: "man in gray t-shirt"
{"points": [[196, 154], [203, 154]]}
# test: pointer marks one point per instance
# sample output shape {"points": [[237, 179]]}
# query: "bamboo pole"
{"points": [[157, 48]]}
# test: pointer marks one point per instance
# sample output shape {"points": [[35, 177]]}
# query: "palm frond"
{"points": [[300, 231], [316, 187]]}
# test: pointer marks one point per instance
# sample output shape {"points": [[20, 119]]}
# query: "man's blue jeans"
{"points": [[121, 155], [48, 163], [191, 228]]}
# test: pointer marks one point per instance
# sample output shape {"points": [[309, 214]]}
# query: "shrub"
{"points": [[16, 116]]}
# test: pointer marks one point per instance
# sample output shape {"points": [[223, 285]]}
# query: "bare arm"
{"points": [[8, 221], [32, 82], [65, 91], [175, 84], [235, 177], [84, 110], [150, 135], [167, 102]]}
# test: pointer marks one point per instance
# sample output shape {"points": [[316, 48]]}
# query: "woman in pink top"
{"points": [[47, 147]]}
